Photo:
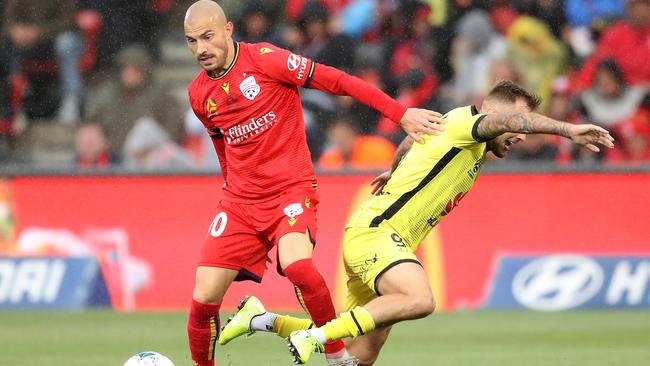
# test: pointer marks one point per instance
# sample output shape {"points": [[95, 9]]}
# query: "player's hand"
{"points": [[591, 135], [379, 182], [418, 122]]}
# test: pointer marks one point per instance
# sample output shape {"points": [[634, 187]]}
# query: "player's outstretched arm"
{"points": [[414, 121], [586, 135]]}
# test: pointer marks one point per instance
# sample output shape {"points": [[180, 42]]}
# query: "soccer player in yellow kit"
{"points": [[386, 282]]}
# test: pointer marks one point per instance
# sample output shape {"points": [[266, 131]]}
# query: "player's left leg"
{"points": [[294, 253], [295, 233], [404, 294]]}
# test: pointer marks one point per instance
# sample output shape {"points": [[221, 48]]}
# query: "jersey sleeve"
{"points": [[335, 81], [282, 65], [290, 68], [461, 126]]}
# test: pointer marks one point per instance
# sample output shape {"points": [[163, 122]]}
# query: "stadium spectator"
{"points": [[415, 89], [586, 16], [616, 106], [38, 30], [149, 147], [586, 13], [550, 12], [5, 94], [257, 23], [198, 144], [350, 149], [476, 49], [536, 54], [128, 22], [119, 103], [92, 147], [627, 42], [322, 40]]}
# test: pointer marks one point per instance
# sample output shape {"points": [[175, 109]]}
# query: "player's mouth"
{"points": [[203, 59]]}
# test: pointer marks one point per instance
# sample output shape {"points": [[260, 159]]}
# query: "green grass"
{"points": [[603, 338]]}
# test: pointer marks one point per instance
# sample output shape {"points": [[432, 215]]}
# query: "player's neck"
{"points": [[230, 58]]}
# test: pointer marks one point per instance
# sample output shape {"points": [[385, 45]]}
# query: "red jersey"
{"points": [[253, 114]]}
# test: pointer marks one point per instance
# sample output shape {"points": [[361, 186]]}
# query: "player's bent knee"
{"points": [[421, 306], [206, 295]]}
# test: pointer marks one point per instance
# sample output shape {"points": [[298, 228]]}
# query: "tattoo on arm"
{"points": [[402, 149], [496, 124]]}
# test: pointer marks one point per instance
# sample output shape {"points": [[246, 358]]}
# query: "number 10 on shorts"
{"points": [[219, 224]]}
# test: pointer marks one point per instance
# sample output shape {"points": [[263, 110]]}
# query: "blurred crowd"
{"points": [[77, 82]]}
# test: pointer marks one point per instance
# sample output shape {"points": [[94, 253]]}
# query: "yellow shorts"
{"points": [[367, 254]]}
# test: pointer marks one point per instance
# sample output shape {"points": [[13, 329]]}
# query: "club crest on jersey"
{"points": [[211, 107], [249, 87], [265, 50]]}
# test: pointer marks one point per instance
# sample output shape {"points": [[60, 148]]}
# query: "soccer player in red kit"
{"points": [[247, 98]]}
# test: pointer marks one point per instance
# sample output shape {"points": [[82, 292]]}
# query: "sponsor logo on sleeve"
{"points": [[296, 62], [249, 88], [293, 210], [293, 62]]}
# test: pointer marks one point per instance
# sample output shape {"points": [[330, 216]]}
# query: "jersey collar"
{"points": [[232, 64]]}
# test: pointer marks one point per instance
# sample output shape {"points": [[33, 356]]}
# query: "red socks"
{"points": [[314, 296], [203, 330]]}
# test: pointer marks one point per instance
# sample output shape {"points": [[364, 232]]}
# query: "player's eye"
{"points": [[191, 40]]}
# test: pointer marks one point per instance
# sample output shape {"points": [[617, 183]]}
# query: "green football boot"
{"points": [[302, 345], [240, 324]]}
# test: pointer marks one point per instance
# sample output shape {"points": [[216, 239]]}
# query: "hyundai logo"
{"points": [[557, 282]]}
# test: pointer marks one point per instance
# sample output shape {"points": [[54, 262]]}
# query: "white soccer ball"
{"points": [[149, 359]]}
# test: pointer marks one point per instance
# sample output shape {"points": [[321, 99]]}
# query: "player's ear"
{"points": [[229, 27]]}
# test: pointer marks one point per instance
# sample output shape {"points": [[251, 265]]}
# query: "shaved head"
{"points": [[209, 36], [204, 12]]}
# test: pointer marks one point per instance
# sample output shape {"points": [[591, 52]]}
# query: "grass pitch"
{"points": [[103, 338]]}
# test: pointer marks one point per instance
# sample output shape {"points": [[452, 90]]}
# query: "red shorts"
{"points": [[241, 234]]}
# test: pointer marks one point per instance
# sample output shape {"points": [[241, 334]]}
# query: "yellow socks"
{"points": [[285, 324], [353, 323]]}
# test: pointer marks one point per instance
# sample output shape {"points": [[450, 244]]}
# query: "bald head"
{"points": [[209, 35], [203, 13]]}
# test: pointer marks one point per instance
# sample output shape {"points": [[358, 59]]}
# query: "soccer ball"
{"points": [[148, 359]]}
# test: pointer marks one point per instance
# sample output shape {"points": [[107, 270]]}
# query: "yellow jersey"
{"points": [[429, 182]]}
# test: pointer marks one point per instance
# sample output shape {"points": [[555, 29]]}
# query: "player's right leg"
{"points": [[232, 250], [203, 323]]}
